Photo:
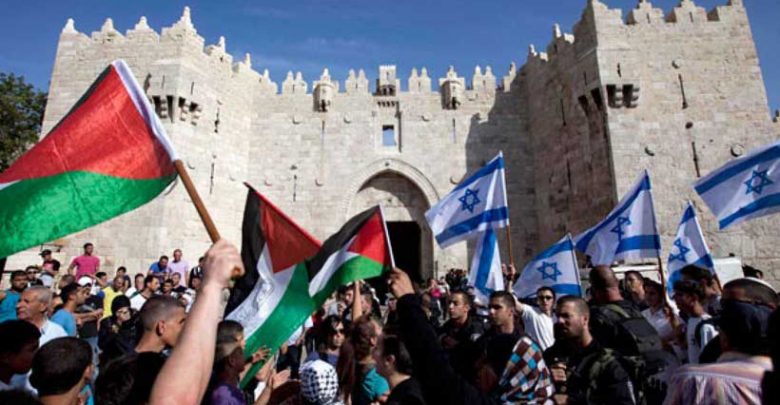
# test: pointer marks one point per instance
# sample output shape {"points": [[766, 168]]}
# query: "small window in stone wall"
{"points": [[388, 136]]}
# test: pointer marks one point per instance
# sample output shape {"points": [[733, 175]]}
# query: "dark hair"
{"points": [[697, 274], [157, 308], [121, 268], [545, 288], [506, 297], [59, 365], [327, 328], [128, 380], [168, 281], [119, 302], [362, 333], [139, 275], [100, 274], [393, 346], [68, 291], [690, 287], [582, 306], [654, 285], [18, 273], [15, 334], [746, 326], [227, 331], [466, 297], [634, 272], [602, 278], [88, 244], [163, 257], [69, 278], [148, 280], [750, 271]]}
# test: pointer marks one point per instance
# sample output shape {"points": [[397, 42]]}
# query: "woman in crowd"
{"points": [[394, 363], [330, 337], [359, 379], [117, 333]]}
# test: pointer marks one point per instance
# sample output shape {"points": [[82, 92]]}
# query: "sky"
{"points": [[309, 35]]}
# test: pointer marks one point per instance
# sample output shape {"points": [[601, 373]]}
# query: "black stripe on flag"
{"points": [[252, 244], [337, 241]]}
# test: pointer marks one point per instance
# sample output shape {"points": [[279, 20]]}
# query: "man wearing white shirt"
{"points": [[689, 296], [539, 321]]}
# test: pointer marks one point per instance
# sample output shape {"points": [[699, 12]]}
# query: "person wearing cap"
{"points": [[746, 306], [50, 268], [319, 384]]}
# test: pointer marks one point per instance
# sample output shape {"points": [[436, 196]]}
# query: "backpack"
{"points": [[592, 366]]}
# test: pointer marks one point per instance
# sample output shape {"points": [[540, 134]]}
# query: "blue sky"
{"points": [[309, 35]]}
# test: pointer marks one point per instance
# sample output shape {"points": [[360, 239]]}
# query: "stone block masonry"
{"points": [[678, 92]]}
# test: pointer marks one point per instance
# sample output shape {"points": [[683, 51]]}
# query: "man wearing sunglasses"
{"points": [[538, 321]]}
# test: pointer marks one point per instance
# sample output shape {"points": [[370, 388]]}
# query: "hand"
{"points": [[277, 379], [221, 260], [265, 372], [259, 355], [558, 372], [399, 283]]}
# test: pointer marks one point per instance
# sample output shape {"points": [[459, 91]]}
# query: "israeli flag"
{"points": [[745, 188], [628, 233], [556, 268], [475, 205], [688, 247], [485, 274]]}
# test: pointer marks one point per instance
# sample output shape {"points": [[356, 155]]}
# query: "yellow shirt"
{"points": [[108, 297]]}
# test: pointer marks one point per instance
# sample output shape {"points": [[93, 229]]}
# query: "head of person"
{"points": [[702, 276], [501, 310], [162, 262], [460, 305], [34, 304], [119, 283], [545, 298], [89, 248], [177, 255], [688, 294], [176, 279], [18, 344], [46, 254], [195, 282], [604, 286], [121, 271], [128, 380], [151, 283], [349, 295], [319, 383], [163, 317], [573, 316], [654, 294], [392, 357], [751, 290], [745, 315], [365, 336], [72, 293], [62, 365], [634, 282], [18, 281], [167, 286], [367, 298], [750, 271], [32, 273], [86, 285], [139, 281], [101, 278], [331, 334], [229, 352], [120, 309]]}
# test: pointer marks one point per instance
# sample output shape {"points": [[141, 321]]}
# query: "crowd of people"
{"points": [[74, 336]]}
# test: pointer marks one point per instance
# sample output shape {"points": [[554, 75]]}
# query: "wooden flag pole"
{"points": [[200, 207], [663, 279], [508, 286]]}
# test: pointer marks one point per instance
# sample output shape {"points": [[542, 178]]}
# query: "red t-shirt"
{"points": [[85, 265]]}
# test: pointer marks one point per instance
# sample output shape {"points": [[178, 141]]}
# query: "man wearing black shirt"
{"points": [[460, 334], [496, 344]]}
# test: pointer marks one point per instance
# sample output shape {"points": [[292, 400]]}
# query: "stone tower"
{"points": [[678, 93]]}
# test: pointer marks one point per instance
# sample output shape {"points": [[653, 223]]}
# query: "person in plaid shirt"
{"points": [[526, 377]]}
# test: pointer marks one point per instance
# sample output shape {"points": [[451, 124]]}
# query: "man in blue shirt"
{"points": [[72, 297], [159, 269], [8, 303]]}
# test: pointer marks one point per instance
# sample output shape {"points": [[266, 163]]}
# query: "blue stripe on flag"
{"points": [[771, 153], [496, 164], [641, 242], [688, 214], [758, 205], [555, 249], [705, 262], [471, 224], [567, 289], [485, 261], [582, 245]]}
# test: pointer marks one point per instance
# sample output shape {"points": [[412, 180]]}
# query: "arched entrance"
{"points": [[404, 206]]}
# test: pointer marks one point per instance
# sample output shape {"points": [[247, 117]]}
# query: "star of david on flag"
{"points": [[743, 188], [485, 273], [689, 248], [556, 268], [628, 233], [476, 204]]}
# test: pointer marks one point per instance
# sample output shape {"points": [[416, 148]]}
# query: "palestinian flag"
{"points": [[272, 301], [360, 250], [107, 156]]}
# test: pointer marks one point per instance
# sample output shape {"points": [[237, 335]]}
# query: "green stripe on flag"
{"points": [[356, 268], [40, 210]]}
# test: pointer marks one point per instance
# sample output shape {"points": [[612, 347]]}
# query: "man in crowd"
{"points": [[137, 287], [32, 276], [33, 307], [585, 372], [89, 313], [109, 293], [496, 343], [60, 370], [50, 268], [196, 271], [85, 265], [689, 297], [12, 295], [101, 280], [745, 343], [635, 289], [180, 267], [151, 284], [460, 334], [538, 321], [18, 344], [709, 285], [178, 287], [72, 297], [162, 319], [121, 271], [663, 317], [159, 268]]}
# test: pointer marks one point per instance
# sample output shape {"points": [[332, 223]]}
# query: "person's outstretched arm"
{"points": [[184, 377]]}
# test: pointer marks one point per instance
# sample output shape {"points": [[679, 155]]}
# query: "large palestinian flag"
{"points": [[273, 300], [107, 156], [360, 250]]}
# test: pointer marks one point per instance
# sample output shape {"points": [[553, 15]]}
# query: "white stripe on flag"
{"points": [[334, 262], [485, 274], [555, 267]]}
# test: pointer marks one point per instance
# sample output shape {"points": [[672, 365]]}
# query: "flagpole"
{"points": [[508, 286], [663, 279], [211, 229]]}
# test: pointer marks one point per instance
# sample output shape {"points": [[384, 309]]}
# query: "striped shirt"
{"points": [[734, 379]]}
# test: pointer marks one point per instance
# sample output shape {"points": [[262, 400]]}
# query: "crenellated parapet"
{"points": [[419, 83], [356, 84]]}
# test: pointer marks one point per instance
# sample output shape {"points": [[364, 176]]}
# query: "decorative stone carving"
{"points": [[452, 88]]}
